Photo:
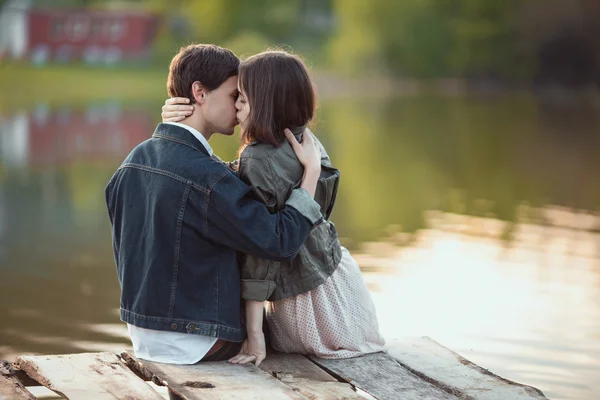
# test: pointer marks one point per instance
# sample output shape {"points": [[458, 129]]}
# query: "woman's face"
{"points": [[242, 107]]}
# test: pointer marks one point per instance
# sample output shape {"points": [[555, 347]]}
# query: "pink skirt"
{"points": [[334, 320]]}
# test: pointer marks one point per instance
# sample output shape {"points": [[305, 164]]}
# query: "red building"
{"points": [[104, 132], [90, 35]]}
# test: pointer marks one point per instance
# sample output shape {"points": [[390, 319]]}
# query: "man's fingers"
{"points": [[177, 100], [291, 138], [307, 136]]}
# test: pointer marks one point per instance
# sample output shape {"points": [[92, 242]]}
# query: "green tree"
{"points": [[429, 38]]}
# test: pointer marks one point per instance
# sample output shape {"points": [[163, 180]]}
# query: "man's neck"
{"points": [[199, 126]]}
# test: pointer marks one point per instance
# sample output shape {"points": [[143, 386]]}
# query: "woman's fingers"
{"points": [[180, 108], [177, 100], [173, 119], [171, 114], [242, 358], [247, 359], [259, 359]]}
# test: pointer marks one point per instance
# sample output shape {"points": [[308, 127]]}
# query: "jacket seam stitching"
{"points": [[177, 250], [163, 319], [165, 173], [278, 182], [111, 215]]}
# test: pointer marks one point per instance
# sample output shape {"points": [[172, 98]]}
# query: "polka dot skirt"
{"points": [[334, 320]]}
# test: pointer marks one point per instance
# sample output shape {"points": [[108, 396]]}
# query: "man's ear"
{"points": [[198, 92]]}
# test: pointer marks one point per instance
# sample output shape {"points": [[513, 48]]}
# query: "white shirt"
{"points": [[197, 134], [172, 347]]}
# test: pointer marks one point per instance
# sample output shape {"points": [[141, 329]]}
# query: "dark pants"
{"points": [[228, 350]]}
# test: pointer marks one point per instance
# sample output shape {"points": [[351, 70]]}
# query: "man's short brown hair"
{"points": [[209, 64]]}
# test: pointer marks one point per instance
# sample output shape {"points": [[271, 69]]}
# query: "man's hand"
{"points": [[309, 155], [253, 349], [308, 152]]}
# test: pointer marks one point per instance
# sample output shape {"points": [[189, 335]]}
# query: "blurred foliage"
{"points": [[482, 39], [429, 38]]}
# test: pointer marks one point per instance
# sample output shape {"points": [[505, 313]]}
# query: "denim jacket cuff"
{"points": [[301, 200], [255, 289]]}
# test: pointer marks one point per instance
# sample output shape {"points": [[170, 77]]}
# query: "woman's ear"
{"points": [[198, 92]]}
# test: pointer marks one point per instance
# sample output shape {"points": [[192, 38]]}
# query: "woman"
{"points": [[317, 303]]}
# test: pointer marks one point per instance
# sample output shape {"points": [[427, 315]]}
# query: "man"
{"points": [[179, 216]]}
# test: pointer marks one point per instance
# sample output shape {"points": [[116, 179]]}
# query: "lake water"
{"points": [[476, 221]]}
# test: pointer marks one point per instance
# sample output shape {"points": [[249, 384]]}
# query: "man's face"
{"points": [[219, 110]]}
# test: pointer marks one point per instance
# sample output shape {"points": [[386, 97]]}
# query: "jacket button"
{"points": [[174, 327]]}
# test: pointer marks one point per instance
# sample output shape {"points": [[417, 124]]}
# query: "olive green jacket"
{"points": [[273, 172]]}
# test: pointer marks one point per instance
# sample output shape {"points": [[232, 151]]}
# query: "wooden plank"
{"points": [[427, 357], [214, 380], [10, 387], [306, 377], [384, 378], [88, 376]]}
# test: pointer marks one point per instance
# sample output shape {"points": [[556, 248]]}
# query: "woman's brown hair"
{"points": [[280, 94]]}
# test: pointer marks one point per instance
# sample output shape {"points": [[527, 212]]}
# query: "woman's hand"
{"points": [[253, 349], [308, 152], [176, 109]]}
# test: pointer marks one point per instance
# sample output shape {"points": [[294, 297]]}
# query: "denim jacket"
{"points": [[273, 173], [178, 220]]}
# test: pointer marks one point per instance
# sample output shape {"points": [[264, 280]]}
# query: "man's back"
{"points": [[178, 218], [165, 263]]}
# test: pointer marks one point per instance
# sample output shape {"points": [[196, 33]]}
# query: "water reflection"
{"points": [[475, 221], [528, 311], [57, 137]]}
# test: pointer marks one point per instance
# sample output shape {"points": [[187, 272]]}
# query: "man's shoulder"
{"points": [[208, 170], [183, 161]]}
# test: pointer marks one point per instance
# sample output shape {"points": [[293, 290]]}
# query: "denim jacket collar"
{"points": [[179, 135]]}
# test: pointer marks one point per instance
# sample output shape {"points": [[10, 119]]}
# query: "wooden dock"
{"points": [[420, 369]]}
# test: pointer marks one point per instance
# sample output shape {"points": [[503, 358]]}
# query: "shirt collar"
{"points": [[196, 134]]}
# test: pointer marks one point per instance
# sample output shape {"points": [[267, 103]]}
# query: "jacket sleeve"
{"points": [[237, 220], [258, 275], [266, 184]]}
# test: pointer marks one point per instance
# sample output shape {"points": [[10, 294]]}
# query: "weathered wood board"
{"points": [[214, 380], [87, 376], [430, 359], [306, 377], [414, 368], [10, 387], [384, 378]]}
